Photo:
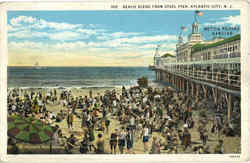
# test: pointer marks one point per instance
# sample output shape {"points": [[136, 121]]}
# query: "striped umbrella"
{"points": [[29, 129]]}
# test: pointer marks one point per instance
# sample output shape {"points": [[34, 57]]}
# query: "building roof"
{"points": [[199, 47], [167, 55]]}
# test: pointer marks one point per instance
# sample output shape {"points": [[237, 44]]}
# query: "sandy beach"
{"points": [[232, 144]]}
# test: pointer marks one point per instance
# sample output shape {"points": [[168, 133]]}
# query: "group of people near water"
{"points": [[140, 112]]}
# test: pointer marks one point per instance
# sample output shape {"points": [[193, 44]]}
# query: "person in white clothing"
{"points": [[145, 138]]}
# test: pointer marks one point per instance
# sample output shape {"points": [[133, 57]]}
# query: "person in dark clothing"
{"points": [[186, 139], [219, 147], [70, 144], [122, 140], [107, 123], [130, 141], [113, 141], [100, 145], [70, 119], [104, 112], [84, 146], [91, 138]]}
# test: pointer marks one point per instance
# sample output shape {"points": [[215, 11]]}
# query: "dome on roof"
{"points": [[195, 27]]}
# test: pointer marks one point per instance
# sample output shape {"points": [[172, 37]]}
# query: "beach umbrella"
{"points": [[29, 129]]}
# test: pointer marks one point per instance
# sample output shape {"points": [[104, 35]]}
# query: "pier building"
{"points": [[205, 68]]}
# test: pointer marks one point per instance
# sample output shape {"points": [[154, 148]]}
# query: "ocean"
{"points": [[79, 77]]}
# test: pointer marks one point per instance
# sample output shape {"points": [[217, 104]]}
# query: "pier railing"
{"points": [[220, 71]]}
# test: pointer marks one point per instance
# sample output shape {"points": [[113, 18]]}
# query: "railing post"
{"points": [[229, 107]]}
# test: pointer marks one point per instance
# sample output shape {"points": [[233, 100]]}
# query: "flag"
{"points": [[183, 28], [198, 13]]}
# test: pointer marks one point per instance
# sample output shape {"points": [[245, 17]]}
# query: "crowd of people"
{"points": [[140, 112]]}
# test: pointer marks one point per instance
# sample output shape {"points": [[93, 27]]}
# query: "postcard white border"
{"points": [[241, 5]]}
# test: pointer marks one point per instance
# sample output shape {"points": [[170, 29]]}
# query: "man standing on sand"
{"points": [[113, 141], [130, 141], [91, 137], [84, 146], [186, 138], [107, 123], [70, 120], [84, 119], [90, 93], [145, 138], [122, 140], [219, 147]]}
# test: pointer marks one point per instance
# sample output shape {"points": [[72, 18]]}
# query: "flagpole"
{"points": [[195, 16]]}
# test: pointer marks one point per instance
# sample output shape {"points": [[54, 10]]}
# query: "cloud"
{"points": [[70, 45], [64, 36], [24, 22], [27, 34], [123, 34], [27, 27], [232, 20], [115, 35], [144, 39], [18, 21], [59, 36], [90, 31], [31, 45], [73, 52], [148, 46], [32, 22], [128, 42], [143, 43], [57, 26], [27, 45]]}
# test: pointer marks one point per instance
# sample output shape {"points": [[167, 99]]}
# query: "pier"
{"points": [[202, 79], [204, 68]]}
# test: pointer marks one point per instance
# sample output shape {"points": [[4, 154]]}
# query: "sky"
{"points": [[102, 38]]}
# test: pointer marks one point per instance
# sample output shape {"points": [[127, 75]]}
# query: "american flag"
{"points": [[198, 13]]}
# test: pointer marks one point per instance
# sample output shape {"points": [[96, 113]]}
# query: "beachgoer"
{"points": [[107, 123], [186, 139], [70, 120], [130, 141], [103, 127], [122, 140], [84, 119], [90, 93], [91, 137], [84, 146], [145, 138], [70, 144], [219, 148], [156, 146], [100, 145], [113, 141]]}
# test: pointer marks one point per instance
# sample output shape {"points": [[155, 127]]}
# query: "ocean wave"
{"points": [[66, 88], [82, 77], [75, 84]]}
